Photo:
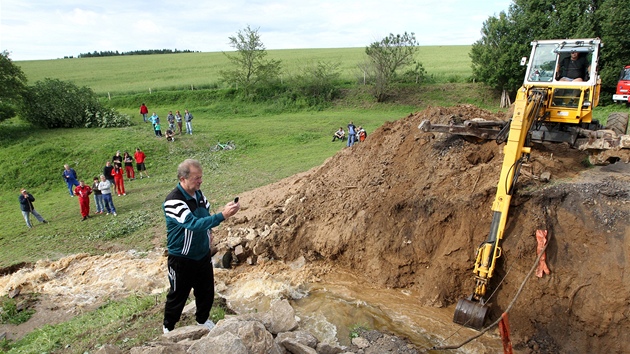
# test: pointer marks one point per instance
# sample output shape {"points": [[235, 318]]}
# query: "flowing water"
{"points": [[329, 309]]}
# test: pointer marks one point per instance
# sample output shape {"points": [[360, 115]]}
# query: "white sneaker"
{"points": [[208, 324], [165, 330]]}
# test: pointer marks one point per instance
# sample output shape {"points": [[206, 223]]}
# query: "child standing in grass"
{"points": [[158, 130]]}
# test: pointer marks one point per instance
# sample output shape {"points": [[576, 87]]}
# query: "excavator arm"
{"points": [[529, 107]]}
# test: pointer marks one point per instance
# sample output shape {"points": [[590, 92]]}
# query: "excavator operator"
{"points": [[572, 68]]}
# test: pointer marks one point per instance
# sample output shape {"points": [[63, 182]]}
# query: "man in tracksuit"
{"points": [[188, 233]]}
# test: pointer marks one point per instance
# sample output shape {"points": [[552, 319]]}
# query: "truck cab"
{"points": [[623, 87]]}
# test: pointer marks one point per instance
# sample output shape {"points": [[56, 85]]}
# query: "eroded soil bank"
{"points": [[408, 209]]}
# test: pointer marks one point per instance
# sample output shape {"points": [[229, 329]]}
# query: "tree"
{"points": [[613, 18], [506, 38], [392, 53], [53, 103], [12, 86], [252, 69]]}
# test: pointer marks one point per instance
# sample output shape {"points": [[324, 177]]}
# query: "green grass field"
{"points": [[144, 73]]}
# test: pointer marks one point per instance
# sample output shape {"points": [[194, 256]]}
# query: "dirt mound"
{"points": [[408, 209]]}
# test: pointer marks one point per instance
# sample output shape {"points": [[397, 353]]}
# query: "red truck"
{"points": [[623, 87]]}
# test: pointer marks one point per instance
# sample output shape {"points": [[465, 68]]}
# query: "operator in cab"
{"points": [[573, 68]]}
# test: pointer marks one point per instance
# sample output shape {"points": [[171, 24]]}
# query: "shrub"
{"points": [[53, 103]]}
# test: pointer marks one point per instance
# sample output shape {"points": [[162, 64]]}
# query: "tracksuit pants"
{"points": [[183, 275]]}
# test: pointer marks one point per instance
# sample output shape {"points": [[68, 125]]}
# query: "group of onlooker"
{"points": [[354, 134], [175, 122], [111, 181]]}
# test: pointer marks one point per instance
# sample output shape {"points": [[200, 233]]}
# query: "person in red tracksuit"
{"points": [[117, 172], [83, 192]]}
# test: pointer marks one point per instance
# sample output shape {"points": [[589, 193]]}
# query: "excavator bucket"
{"points": [[470, 314]]}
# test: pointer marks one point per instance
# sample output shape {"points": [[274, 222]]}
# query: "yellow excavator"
{"points": [[554, 104]]}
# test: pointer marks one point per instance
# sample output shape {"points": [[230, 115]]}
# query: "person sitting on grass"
{"points": [[339, 134]]}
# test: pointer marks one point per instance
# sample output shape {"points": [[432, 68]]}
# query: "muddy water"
{"points": [[331, 307]]}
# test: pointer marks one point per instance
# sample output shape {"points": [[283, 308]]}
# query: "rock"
{"points": [[545, 176], [227, 343], [301, 337], [160, 348], [13, 293], [325, 348], [193, 332], [282, 317], [295, 347], [360, 342]]}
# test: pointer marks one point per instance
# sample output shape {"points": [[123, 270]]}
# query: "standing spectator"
{"points": [[158, 130], [117, 160], [144, 111], [106, 189], [107, 172], [178, 119], [171, 120], [98, 197], [119, 181], [188, 117], [154, 118], [188, 233], [83, 192], [128, 160], [140, 156], [352, 134], [26, 204], [70, 176]]}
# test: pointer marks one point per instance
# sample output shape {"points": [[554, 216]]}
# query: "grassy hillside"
{"points": [[141, 73]]}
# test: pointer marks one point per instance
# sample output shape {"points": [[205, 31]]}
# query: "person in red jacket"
{"points": [[117, 172], [139, 156], [83, 192], [144, 110]]}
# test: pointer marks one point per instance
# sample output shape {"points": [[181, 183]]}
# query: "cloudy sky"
{"points": [[45, 29]]}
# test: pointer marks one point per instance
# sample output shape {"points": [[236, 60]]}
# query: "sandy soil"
{"points": [[407, 209]]}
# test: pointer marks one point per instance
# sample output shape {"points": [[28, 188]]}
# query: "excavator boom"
{"points": [[555, 104]]}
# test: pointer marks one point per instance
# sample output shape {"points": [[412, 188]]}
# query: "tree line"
{"points": [[109, 53]]}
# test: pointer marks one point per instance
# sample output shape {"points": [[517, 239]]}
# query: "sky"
{"points": [[45, 29]]}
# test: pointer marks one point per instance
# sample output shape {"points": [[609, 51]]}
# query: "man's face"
{"points": [[194, 180], [574, 55]]}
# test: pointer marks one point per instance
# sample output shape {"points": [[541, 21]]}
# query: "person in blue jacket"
{"points": [[26, 204], [188, 239], [70, 176]]}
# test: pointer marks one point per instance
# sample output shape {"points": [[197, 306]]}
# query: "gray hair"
{"points": [[183, 170]]}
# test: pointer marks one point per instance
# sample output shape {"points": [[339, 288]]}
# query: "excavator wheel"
{"points": [[470, 314], [617, 122]]}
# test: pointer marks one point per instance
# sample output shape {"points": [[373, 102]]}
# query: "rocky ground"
{"points": [[405, 209]]}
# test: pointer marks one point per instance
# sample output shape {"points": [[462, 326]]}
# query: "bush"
{"points": [[54, 103]]}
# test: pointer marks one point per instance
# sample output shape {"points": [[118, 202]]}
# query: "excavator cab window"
{"points": [[563, 97], [543, 63]]}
